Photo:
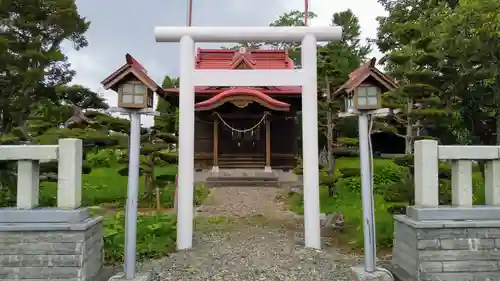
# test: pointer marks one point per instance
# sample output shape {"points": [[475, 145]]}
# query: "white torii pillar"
{"points": [[191, 77]]}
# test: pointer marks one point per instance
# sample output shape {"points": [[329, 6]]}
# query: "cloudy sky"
{"points": [[121, 26]]}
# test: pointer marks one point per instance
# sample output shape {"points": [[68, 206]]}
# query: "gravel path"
{"points": [[245, 234]]}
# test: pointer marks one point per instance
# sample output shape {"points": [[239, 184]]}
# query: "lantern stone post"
{"points": [[135, 98], [132, 186], [363, 98]]}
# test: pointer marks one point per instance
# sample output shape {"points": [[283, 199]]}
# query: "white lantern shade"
{"points": [[127, 99], [139, 99], [367, 96], [133, 95]]}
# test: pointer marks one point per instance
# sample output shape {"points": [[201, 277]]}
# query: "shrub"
{"points": [[167, 194], [404, 160], [444, 173], [348, 142], [168, 157], [96, 194], [104, 157], [349, 203], [402, 191], [327, 180], [299, 170], [397, 209], [105, 185], [156, 236], [445, 192], [350, 172], [201, 192], [345, 152], [350, 183], [386, 174]]}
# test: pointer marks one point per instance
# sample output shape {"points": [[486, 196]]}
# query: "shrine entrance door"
{"points": [[242, 137], [242, 142]]}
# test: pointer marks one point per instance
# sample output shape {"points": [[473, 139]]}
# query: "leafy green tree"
{"points": [[168, 119], [335, 61], [31, 59], [292, 18], [247, 45], [154, 151], [469, 38], [80, 99], [406, 38]]}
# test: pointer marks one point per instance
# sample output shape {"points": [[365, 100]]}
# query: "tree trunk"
{"points": [[149, 174], [498, 126], [24, 130], [409, 129], [329, 137], [148, 186]]}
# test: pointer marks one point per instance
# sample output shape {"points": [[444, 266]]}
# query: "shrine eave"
{"points": [[241, 97], [208, 91]]}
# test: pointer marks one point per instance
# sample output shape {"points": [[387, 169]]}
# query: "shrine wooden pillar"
{"points": [[268, 144], [215, 167]]}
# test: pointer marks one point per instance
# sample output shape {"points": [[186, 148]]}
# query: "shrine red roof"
{"points": [[242, 94], [361, 73], [131, 66], [243, 59], [255, 59]]}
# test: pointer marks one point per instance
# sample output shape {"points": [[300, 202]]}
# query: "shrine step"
{"points": [[211, 184], [242, 177], [250, 163], [242, 165], [248, 159]]}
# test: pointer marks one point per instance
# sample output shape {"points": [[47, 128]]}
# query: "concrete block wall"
{"points": [[450, 252], [71, 255], [61, 243], [460, 242]]}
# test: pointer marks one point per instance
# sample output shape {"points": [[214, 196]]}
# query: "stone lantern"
{"points": [[134, 87], [363, 91], [134, 94]]}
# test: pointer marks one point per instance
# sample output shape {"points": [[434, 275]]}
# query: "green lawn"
{"points": [[345, 162], [348, 200], [156, 231], [105, 185]]}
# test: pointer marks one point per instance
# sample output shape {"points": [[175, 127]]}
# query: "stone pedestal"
{"points": [[70, 247], [358, 273], [446, 250], [142, 276]]}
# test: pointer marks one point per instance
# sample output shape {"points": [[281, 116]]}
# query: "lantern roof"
{"points": [[131, 68], [364, 72]]}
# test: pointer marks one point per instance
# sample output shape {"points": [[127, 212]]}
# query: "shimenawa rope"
{"points": [[242, 130]]}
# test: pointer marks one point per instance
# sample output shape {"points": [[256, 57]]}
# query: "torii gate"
{"points": [[191, 77]]}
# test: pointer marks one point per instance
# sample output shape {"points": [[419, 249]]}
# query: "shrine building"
{"points": [[244, 127], [236, 127]]}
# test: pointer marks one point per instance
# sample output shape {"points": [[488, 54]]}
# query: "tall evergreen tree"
{"points": [[168, 119], [31, 60], [410, 57]]}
